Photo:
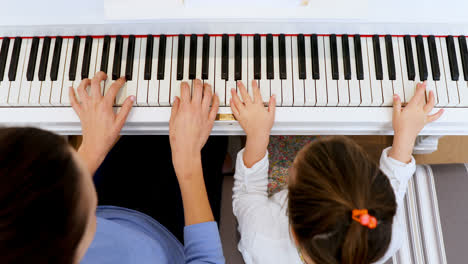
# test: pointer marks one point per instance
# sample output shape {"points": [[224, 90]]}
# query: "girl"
{"points": [[48, 201], [339, 206]]}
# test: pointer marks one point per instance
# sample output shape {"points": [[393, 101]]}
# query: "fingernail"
{"points": [[132, 98], [174, 99]]}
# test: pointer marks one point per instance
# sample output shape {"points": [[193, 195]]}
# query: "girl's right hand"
{"points": [[255, 119]]}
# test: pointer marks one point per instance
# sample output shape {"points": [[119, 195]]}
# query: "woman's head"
{"points": [[333, 176], [46, 199]]}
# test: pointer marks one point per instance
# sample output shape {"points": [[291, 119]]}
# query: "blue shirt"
{"points": [[125, 236]]}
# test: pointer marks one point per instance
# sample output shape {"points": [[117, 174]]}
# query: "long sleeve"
{"points": [[202, 244]]}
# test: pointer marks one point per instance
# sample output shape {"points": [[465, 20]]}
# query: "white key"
{"points": [[441, 85], [264, 83], [430, 84], [245, 63], [211, 64], [132, 85], [376, 85], [250, 65], [461, 83], [275, 84], [365, 84], [35, 92], [100, 44], [309, 83], [122, 94], [67, 83], [321, 83], [332, 85], [298, 84], [25, 84], [5, 84], [152, 86], [110, 65], [343, 89], [57, 85], [354, 90], [452, 89], [46, 86], [286, 84], [220, 84], [387, 86], [416, 65], [165, 84], [15, 86], [398, 83], [231, 82], [408, 85], [79, 67], [142, 92]]}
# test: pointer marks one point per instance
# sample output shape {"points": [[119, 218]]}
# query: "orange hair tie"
{"points": [[364, 218]]}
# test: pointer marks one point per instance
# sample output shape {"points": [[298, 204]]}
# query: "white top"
{"points": [[263, 223]]}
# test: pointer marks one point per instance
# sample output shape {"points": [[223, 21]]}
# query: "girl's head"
{"points": [[47, 199], [330, 178]]}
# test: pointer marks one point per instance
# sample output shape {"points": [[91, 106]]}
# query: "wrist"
{"points": [[402, 149], [255, 150], [187, 166]]}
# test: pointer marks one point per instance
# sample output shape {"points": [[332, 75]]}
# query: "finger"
{"points": [[434, 117], [73, 101], [207, 97], [272, 105], [82, 92], [114, 89], [396, 105], [174, 109], [243, 91], [184, 92], [124, 111], [197, 91], [419, 95], [234, 109], [430, 103], [96, 84], [214, 109], [236, 100], [256, 92]]}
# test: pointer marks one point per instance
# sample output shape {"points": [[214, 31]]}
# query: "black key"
{"points": [[282, 56], [162, 56], [422, 66], [32, 59], [257, 57], [130, 58], [346, 57], [224, 57], [205, 56], [409, 57], [105, 53], [377, 58], [301, 56], [86, 57], [117, 58], [270, 70], [3, 56], [74, 58], [180, 57], [358, 55], [14, 59], [56, 58], [44, 59], [149, 57], [464, 55], [193, 57], [334, 57], [315, 57], [238, 57], [452, 58], [390, 58], [434, 58]]}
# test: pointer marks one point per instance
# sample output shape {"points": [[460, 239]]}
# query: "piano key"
{"points": [[35, 90], [264, 83], [269, 57], [442, 84], [231, 82], [452, 58], [198, 71], [309, 82], [358, 56], [376, 85], [321, 82], [146, 46], [334, 57], [257, 56], [346, 58], [133, 61], [343, 88], [365, 83], [185, 49], [74, 58], [44, 58], [224, 57], [152, 83], [377, 57], [122, 94], [105, 53], [315, 57], [25, 85], [287, 89], [387, 85], [452, 89], [3, 56], [79, 66], [409, 58], [131, 57], [408, 84], [275, 83], [211, 63], [180, 58], [56, 58], [245, 63], [282, 56], [332, 83], [162, 55], [32, 59], [301, 56], [461, 83], [67, 83], [96, 52], [4, 83], [463, 55], [15, 56], [110, 67], [422, 66], [17, 77], [353, 82], [390, 57], [46, 86], [57, 84], [430, 83], [117, 63], [434, 58], [220, 83], [238, 57], [193, 57], [85, 67], [398, 87], [206, 56], [165, 82], [416, 66], [298, 83]]}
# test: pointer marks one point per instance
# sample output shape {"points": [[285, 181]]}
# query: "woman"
{"points": [[48, 201]]}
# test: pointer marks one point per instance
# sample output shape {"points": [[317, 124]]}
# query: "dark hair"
{"points": [[333, 177], [39, 198]]}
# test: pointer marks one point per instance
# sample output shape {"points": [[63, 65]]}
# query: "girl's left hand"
{"points": [[100, 124]]}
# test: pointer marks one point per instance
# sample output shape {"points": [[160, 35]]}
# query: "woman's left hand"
{"points": [[100, 124]]}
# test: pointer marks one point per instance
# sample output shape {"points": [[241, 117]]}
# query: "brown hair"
{"points": [[333, 177], [39, 198]]}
